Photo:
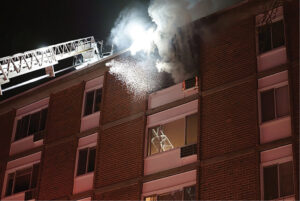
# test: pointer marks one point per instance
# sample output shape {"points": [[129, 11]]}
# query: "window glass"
{"points": [[19, 131], [189, 193], [22, 181], [175, 133], [92, 156], [270, 182], [10, 183], [267, 105], [88, 108], [264, 37], [82, 160], [150, 198], [34, 123], [282, 101], [35, 174], [191, 129], [278, 34], [286, 179], [43, 119], [154, 141], [175, 195], [97, 100]]}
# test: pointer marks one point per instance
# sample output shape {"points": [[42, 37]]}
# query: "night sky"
{"points": [[31, 24]]}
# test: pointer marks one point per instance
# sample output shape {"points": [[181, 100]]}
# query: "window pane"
{"points": [[92, 156], [34, 123], [22, 128], [286, 179], [264, 38], [19, 130], [175, 195], [190, 193], [154, 141], [22, 181], [174, 131], [81, 169], [35, 174], [88, 107], [97, 100], [9, 185], [151, 198], [282, 101], [191, 129], [278, 34], [267, 105], [270, 182], [43, 119]]}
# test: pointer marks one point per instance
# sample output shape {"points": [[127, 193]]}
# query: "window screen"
{"points": [[270, 182], [267, 105], [97, 100], [10, 183], [191, 129], [88, 108], [278, 34], [282, 101], [22, 180], [34, 123], [92, 156]]}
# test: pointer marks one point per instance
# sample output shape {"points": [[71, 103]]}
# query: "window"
{"points": [[86, 160], [173, 135], [32, 124], [188, 193], [270, 36], [274, 103], [22, 180], [278, 180], [92, 101]]}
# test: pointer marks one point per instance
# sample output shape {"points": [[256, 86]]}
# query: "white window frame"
{"points": [[86, 143], [270, 163], [27, 110], [19, 164], [274, 86], [92, 85], [172, 115]]}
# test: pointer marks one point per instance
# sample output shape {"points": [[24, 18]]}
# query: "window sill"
{"points": [[272, 58], [270, 122], [24, 144], [84, 175], [286, 198], [83, 183], [90, 121], [17, 196]]}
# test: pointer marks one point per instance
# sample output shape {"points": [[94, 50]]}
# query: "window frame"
{"points": [[89, 148], [148, 153], [274, 87], [258, 24], [271, 163], [94, 89], [88, 145], [19, 117]]}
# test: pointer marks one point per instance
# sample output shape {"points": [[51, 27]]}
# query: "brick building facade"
{"points": [[232, 135]]}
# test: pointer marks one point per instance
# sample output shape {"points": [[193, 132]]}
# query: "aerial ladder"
{"points": [[47, 57]]}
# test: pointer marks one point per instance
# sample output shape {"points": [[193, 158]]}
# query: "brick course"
{"points": [[126, 193]]}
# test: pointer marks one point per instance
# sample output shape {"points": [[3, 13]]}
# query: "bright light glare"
{"points": [[142, 39]]}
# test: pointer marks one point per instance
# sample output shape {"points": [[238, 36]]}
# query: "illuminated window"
{"points": [[278, 180], [172, 135], [92, 101], [22, 180], [271, 36], [32, 124], [86, 160], [187, 193], [274, 103]]}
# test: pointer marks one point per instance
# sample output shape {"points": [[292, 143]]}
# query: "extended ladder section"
{"points": [[46, 57]]}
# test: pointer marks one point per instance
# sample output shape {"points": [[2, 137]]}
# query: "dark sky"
{"points": [[30, 24]]}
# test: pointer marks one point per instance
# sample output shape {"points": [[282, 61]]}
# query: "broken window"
{"points": [[86, 160], [278, 180], [274, 103], [172, 135], [92, 101], [22, 180], [270, 36], [32, 124]]}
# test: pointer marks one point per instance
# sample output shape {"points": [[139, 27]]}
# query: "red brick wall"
{"points": [[229, 120], [234, 179], [228, 53], [57, 174], [118, 102], [120, 153], [64, 113], [125, 193], [6, 126]]}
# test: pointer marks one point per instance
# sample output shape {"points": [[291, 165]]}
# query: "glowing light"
{"points": [[142, 38]]}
